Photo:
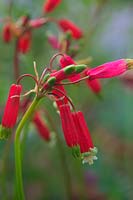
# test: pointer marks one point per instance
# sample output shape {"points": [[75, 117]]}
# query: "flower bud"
{"points": [[50, 5], [109, 69], [67, 25]]}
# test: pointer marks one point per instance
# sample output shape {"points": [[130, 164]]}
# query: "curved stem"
{"points": [[26, 75], [74, 82], [18, 164]]}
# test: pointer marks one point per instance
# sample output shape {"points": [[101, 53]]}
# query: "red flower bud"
{"points": [[37, 23], [94, 85], [65, 61], [53, 41], [7, 35], [67, 25], [108, 70], [24, 42], [41, 127], [12, 106], [68, 125], [50, 5]]}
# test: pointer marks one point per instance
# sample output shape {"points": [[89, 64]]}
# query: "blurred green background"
{"points": [[108, 29]]}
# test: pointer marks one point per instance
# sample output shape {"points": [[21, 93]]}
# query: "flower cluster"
{"points": [[50, 84], [21, 29]]}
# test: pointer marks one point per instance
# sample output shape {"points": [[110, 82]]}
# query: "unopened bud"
{"points": [[80, 68]]}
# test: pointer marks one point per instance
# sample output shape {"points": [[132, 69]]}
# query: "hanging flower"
{"points": [[41, 126], [24, 42], [87, 148], [7, 35], [11, 110], [68, 125], [53, 41], [94, 85], [50, 5], [109, 69], [67, 25]]}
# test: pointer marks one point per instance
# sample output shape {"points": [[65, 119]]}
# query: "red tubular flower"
{"points": [[94, 85], [12, 106], [41, 127], [53, 41], [84, 138], [37, 23], [50, 5], [7, 35], [24, 42], [65, 61], [68, 126], [108, 70], [67, 25]]}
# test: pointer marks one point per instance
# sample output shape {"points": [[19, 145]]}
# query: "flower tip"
{"points": [[76, 151], [4, 132], [129, 64], [90, 156], [50, 5]]}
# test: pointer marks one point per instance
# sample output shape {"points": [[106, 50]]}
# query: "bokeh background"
{"points": [[108, 30]]}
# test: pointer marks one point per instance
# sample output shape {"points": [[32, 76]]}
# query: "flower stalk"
{"points": [[18, 165]]}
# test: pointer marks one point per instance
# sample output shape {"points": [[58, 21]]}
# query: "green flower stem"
{"points": [[18, 164]]}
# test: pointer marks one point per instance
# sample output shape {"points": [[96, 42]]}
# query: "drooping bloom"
{"points": [[109, 69], [50, 5], [77, 134], [67, 25], [12, 106], [37, 23], [24, 42], [87, 148], [53, 41], [7, 35], [68, 126], [94, 85], [66, 60], [41, 126]]}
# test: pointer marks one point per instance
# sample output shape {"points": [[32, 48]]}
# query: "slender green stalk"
{"points": [[4, 171], [18, 164]]}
